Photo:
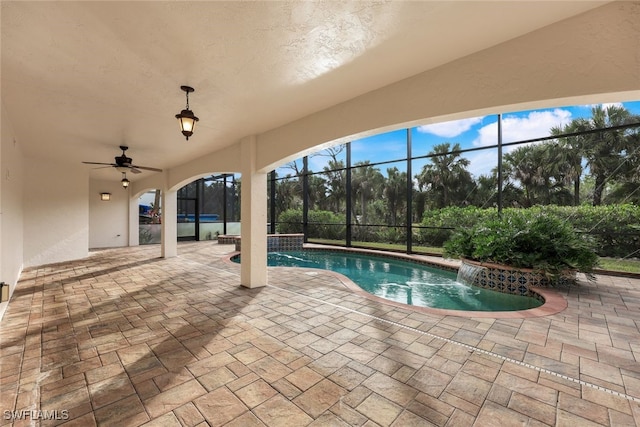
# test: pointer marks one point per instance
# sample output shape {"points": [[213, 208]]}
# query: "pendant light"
{"points": [[186, 118], [125, 181]]}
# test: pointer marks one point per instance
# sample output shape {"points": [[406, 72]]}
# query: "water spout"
{"points": [[468, 273]]}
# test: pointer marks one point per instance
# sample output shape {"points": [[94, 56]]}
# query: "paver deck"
{"points": [[127, 338]]}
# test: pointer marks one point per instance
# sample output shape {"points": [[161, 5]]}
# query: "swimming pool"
{"points": [[404, 281]]}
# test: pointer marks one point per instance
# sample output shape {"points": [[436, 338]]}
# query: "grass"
{"points": [[621, 265], [611, 264]]}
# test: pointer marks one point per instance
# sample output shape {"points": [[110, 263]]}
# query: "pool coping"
{"points": [[554, 302]]}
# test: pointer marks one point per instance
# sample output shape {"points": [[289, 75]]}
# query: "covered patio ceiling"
{"points": [[81, 78]]}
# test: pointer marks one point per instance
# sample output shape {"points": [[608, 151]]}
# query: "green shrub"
{"points": [[392, 235], [440, 224], [321, 224], [526, 238], [615, 228], [290, 221], [361, 233]]}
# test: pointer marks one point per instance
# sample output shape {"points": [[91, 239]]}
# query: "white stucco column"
{"points": [[134, 222], [169, 223], [253, 270]]}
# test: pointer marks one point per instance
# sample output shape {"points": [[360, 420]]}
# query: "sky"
{"points": [[469, 133]]}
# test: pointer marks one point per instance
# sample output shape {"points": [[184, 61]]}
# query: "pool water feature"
{"points": [[468, 273], [403, 281]]}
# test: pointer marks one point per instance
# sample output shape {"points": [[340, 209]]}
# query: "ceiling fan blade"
{"points": [[102, 167], [134, 170], [98, 163], [147, 168]]}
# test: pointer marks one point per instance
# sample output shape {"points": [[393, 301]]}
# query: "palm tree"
{"points": [[522, 166], [486, 193], [395, 192], [336, 183], [287, 193], [419, 200], [366, 184], [317, 190], [446, 176], [571, 149], [336, 176], [605, 151], [542, 171]]}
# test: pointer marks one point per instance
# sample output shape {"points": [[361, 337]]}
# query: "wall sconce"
{"points": [[105, 197], [125, 181], [186, 118]]}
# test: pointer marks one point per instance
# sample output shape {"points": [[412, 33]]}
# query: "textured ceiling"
{"points": [[81, 78]]}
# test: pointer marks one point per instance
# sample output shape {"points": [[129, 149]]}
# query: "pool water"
{"points": [[404, 281]]}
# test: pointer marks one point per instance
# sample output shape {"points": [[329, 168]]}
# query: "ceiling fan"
{"points": [[124, 163]]}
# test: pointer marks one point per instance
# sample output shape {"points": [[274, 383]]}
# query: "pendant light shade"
{"points": [[125, 181], [186, 118]]}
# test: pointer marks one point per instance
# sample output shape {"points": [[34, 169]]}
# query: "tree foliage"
{"points": [[580, 166]]}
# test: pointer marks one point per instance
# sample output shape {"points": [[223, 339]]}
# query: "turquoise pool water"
{"points": [[404, 281]]}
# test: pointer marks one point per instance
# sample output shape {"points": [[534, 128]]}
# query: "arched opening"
{"points": [[209, 207], [409, 189]]}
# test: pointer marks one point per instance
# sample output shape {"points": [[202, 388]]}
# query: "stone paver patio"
{"points": [[126, 338]]}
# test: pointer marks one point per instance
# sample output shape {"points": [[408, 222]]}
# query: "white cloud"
{"points": [[536, 124], [450, 129], [605, 106], [482, 162]]}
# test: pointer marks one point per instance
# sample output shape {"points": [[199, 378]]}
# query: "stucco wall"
{"points": [[56, 212], [591, 58], [226, 160], [581, 60], [11, 207], [108, 221]]}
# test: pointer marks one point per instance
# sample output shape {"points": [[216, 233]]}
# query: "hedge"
{"points": [[615, 228]]}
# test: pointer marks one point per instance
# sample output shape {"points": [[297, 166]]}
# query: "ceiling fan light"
{"points": [[125, 181]]}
